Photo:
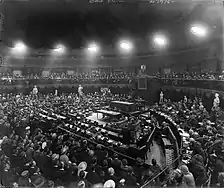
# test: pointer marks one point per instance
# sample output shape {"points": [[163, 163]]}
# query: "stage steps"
{"points": [[166, 141], [170, 158], [169, 152]]}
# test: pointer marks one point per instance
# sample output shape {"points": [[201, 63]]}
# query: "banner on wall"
{"points": [[70, 72], [45, 73], [142, 83], [17, 73]]}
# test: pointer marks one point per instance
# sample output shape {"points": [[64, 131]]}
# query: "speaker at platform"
{"points": [[142, 83]]}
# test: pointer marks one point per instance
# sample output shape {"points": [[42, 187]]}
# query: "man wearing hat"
{"points": [[81, 184], [24, 180], [39, 182], [82, 167], [130, 179], [188, 178], [92, 176], [111, 175], [109, 184], [218, 167]]}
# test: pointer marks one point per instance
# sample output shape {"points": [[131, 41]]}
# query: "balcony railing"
{"points": [[197, 83]]}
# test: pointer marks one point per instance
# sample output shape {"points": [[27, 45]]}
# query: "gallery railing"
{"points": [[199, 83]]}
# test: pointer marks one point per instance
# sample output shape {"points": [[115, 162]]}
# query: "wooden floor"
{"points": [[155, 153]]}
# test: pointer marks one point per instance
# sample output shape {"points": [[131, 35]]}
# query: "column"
{"points": [[221, 59], [222, 35], [218, 44], [1, 19], [2, 59]]}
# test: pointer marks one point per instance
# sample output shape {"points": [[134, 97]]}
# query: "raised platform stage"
{"points": [[109, 113], [123, 106]]}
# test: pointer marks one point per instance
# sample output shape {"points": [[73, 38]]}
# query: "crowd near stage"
{"points": [[114, 128]]}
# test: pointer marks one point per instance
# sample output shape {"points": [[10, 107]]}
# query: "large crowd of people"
{"points": [[36, 152], [39, 148]]}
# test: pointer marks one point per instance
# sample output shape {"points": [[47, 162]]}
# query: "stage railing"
{"points": [[25, 82], [193, 83], [149, 139], [151, 135]]}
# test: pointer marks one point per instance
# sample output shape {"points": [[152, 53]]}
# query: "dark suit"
{"points": [[113, 177], [130, 180], [93, 177], [116, 164]]}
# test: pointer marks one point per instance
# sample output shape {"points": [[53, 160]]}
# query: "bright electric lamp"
{"points": [[59, 49], [93, 48], [160, 40], [126, 46], [19, 47], [199, 30]]}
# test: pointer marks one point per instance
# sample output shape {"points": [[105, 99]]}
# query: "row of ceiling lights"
{"points": [[125, 46]]}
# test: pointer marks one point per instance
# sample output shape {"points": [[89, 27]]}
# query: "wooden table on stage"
{"points": [[123, 106], [108, 113]]}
